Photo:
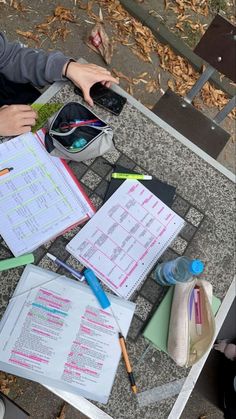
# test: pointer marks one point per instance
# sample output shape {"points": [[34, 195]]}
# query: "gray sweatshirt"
{"points": [[22, 65]]}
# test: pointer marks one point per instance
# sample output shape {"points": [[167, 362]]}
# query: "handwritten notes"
{"points": [[37, 201]]}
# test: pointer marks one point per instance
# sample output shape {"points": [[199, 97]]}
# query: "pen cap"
{"points": [[196, 267], [96, 287]]}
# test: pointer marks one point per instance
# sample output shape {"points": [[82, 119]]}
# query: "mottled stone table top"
{"points": [[204, 198]]}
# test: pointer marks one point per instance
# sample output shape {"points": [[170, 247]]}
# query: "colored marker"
{"points": [[130, 176], [90, 277], [18, 261], [198, 313], [5, 171]]}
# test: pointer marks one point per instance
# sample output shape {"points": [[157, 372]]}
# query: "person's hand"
{"points": [[16, 119], [86, 75]]}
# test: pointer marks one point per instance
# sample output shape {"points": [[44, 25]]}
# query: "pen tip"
{"points": [[10, 168]]}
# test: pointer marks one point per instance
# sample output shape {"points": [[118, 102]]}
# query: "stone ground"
{"points": [[191, 21], [38, 401]]}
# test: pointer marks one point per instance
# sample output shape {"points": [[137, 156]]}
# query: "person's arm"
{"points": [[22, 65]]}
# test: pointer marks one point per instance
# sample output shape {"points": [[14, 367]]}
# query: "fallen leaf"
{"points": [[152, 86], [5, 382], [60, 33], [28, 35], [143, 74], [62, 414], [62, 13], [18, 5], [120, 75]]}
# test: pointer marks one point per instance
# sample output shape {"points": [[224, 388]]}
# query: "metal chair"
{"points": [[217, 48]]}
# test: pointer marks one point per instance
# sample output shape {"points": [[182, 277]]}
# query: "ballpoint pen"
{"points": [[90, 277], [127, 362], [5, 171]]}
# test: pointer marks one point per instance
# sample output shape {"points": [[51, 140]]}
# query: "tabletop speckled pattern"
{"points": [[204, 198]]}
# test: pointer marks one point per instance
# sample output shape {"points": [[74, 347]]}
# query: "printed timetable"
{"points": [[125, 238]]}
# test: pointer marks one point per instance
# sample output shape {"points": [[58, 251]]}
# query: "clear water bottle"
{"points": [[181, 269]]}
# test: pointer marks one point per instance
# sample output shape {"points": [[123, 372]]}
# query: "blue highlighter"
{"points": [[96, 287]]}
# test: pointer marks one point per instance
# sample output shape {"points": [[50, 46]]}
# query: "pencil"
{"points": [[5, 171], [127, 363]]}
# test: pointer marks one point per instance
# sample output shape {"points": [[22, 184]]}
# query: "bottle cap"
{"points": [[196, 267]]}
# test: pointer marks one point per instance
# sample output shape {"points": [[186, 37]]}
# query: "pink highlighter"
{"points": [[198, 313]]}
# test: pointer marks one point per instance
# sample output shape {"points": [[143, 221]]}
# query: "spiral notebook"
{"points": [[40, 197], [125, 238]]}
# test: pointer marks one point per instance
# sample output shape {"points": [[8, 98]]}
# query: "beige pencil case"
{"points": [[189, 339]]}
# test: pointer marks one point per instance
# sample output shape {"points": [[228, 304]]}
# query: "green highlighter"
{"points": [[18, 261]]}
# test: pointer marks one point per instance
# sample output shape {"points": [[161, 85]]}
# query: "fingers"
{"points": [[87, 96], [16, 119], [28, 121]]}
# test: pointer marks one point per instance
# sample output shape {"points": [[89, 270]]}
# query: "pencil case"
{"points": [[192, 323], [76, 133]]}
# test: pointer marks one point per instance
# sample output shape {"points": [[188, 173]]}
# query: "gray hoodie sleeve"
{"points": [[22, 65]]}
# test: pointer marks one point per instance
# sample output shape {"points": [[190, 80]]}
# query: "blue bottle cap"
{"points": [[196, 267]]}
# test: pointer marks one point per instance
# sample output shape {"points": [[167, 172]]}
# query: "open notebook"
{"points": [[54, 332], [125, 238], [40, 198]]}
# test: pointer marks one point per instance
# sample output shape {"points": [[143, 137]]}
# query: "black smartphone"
{"points": [[105, 97]]}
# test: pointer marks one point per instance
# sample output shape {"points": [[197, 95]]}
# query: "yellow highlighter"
{"points": [[130, 176]]}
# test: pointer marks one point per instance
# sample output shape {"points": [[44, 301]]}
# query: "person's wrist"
{"points": [[66, 68]]}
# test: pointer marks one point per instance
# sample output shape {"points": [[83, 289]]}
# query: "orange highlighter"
{"points": [[5, 171], [127, 363]]}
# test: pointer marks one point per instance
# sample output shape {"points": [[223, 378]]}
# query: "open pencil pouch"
{"points": [[192, 322], [76, 133]]}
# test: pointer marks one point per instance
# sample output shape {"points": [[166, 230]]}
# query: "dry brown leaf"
{"points": [[171, 84], [18, 5], [62, 13], [28, 35], [152, 86], [167, 3], [62, 414], [43, 28], [120, 75], [130, 90], [143, 74], [5, 381], [179, 26], [60, 33]]}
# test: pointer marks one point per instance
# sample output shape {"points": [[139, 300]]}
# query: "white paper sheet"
{"points": [[57, 334], [37, 200], [125, 238]]}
